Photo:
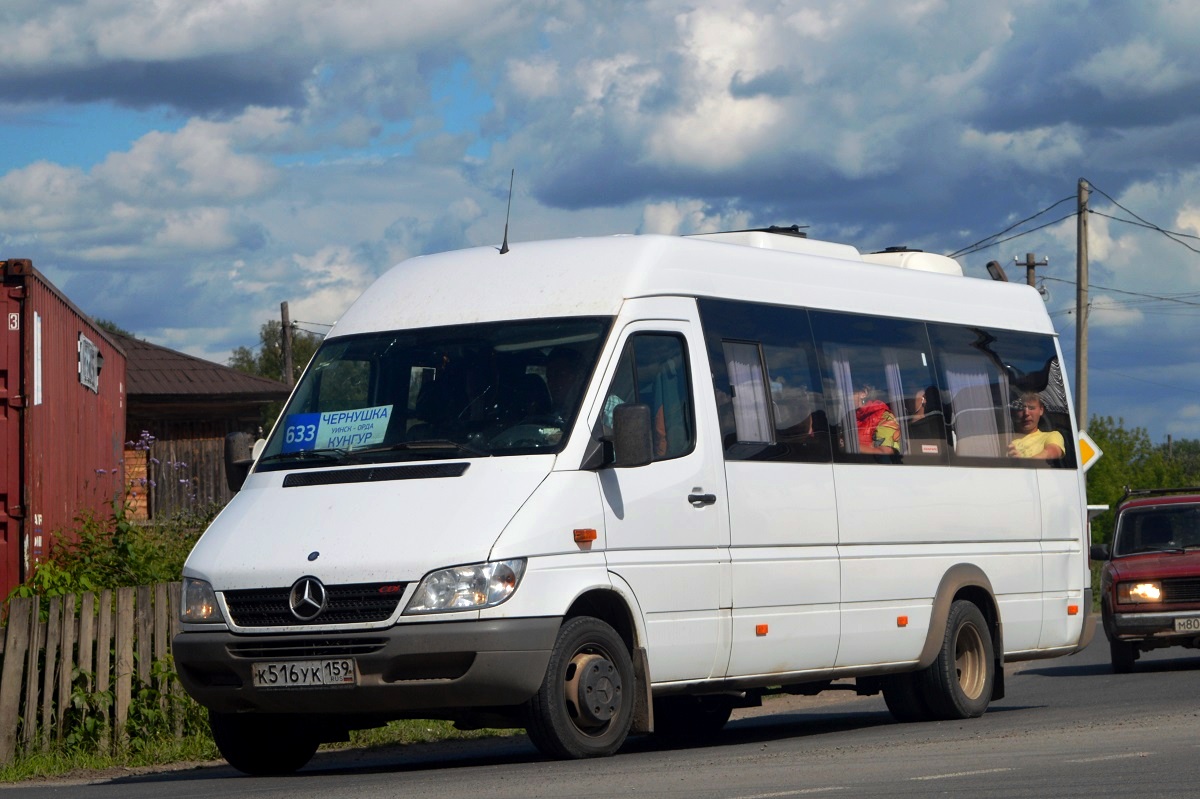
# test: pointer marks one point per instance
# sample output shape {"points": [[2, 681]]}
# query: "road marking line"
{"points": [[961, 774], [1110, 757], [801, 792]]}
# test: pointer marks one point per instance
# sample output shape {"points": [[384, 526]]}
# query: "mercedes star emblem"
{"points": [[307, 598]]}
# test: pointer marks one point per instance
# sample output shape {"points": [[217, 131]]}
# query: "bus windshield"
{"points": [[462, 391]]}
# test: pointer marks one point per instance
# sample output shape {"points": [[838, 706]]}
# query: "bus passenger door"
{"points": [[666, 523]]}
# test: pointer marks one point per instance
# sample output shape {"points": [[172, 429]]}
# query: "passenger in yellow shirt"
{"points": [[1033, 441]]}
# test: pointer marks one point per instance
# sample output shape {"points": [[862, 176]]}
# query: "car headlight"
{"points": [[1146, 591], [471, 587], [198, 603]]}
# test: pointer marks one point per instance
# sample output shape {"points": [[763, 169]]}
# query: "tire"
{"points": [[1123, 655], [958, 684], [262, 745], [690, 718], [905, 697], [584, 706]]}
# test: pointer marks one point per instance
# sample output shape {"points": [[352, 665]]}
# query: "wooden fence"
{"points": [[111, 637]]}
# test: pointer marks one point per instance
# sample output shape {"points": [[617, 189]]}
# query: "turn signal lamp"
{"points": [[584, 535]]}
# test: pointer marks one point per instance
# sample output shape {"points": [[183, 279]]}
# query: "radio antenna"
{"points": [[504, 244]]}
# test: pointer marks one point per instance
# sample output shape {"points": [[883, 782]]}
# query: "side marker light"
{"points": [[902, 621], [585, 535], [760, 629]]}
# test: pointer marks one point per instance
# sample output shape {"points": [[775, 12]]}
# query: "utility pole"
{"points": [[1031, 263], [1081, 304], [285, 342]]}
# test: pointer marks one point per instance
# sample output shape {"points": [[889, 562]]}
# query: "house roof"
{"points": [[158, 373]]}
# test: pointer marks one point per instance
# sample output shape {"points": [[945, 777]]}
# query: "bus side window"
{"points": [[766, 382], [874, 368], [653, 370], [1007, 397]]}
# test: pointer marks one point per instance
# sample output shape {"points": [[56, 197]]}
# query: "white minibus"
{"points": [[603, 486]]}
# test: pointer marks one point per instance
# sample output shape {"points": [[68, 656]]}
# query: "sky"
{"points": [[182, 168]]}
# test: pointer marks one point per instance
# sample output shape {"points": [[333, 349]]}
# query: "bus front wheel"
{"points": [[584, 706]]}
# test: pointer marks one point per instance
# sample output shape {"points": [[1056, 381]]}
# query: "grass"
{"points": [[59, 761]]}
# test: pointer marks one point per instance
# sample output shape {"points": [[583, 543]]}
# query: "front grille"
{"points": [[345, 604], [1181, 589], [310, 648]]}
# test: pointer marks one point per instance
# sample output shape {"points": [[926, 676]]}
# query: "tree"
{"points": [[109, 326], [1129, 460], [268, 360], [1186, 453]]}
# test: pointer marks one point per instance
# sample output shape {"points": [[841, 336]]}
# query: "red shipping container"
{"points": [[62, 420]]}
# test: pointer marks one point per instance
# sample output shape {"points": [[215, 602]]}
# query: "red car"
{"points": [[1150, 584]]}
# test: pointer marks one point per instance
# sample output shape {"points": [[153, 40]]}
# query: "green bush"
{"points": [[116, 552]]}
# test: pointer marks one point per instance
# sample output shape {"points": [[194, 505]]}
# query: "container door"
{"points": [[666, 523], [10, 445]]}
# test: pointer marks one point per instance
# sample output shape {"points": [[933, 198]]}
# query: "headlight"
{"points": [[1149, 591], [479, 585], [198, 604]]}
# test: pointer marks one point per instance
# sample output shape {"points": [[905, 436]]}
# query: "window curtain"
{"points": [[840, 364], [895, 399], [973, 406], [750, 412]]}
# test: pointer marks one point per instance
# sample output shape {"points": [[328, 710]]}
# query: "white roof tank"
{"points": [[915, 259], [793, 240]]}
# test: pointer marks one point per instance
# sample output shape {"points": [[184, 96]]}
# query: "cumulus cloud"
{"points": [[1132, 68], [1037, 149], [690, 216], [318, 143]]}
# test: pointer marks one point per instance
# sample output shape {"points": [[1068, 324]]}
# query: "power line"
{"points": [[1171, 234], [1179, 298], [1147, 382], [985, 243], [996, 238]]}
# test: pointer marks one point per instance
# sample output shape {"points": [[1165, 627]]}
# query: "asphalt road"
{"points": [[1068, 728]]}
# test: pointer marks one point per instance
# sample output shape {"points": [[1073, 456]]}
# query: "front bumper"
{"points": [[1157, 624], [426, 666]]}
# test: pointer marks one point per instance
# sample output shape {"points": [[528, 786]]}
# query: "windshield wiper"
{"points": [[328, 455], [425, 444]]}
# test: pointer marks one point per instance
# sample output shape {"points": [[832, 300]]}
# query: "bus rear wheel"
{"points": [[958, 684], [584, 707]]}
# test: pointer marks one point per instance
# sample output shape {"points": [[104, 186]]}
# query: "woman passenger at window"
{"points": [[878, 429]]}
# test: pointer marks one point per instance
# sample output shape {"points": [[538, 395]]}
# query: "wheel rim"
{"points": [[970, 661], [592, 689]]}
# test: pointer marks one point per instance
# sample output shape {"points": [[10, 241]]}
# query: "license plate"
{"points": [[1191, 625], [304, 673]]}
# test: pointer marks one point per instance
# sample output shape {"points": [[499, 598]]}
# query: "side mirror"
{"points": [[633, 444], [1099, 552], [238, 457]]}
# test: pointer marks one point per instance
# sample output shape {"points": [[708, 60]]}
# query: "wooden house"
{"points": [[180, 409]]}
